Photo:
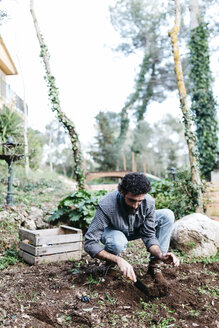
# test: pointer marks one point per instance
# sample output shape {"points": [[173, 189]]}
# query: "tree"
{"points": [[160, 146], [56, 106], [105, 151], [189, 134], [203, 103], [36, 141], [141, 25]]}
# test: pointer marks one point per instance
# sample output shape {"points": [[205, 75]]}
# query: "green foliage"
{"points": [[105, 151], [11, 124], [203, 103], [39, 188], [10, 257], [53, 93], [140, 24], [78, 208], [180, 196], [35, 143]]}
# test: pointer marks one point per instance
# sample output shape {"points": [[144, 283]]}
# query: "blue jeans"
{"points": [[115, 241]]}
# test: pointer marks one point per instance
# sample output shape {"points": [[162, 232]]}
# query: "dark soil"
{"points": [[46, 296]]}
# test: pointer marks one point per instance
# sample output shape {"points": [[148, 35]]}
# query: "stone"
{"points": [[36, 215], [197, 235]]}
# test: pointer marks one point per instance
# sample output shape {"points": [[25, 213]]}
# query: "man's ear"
{"points": [[122, 193]]}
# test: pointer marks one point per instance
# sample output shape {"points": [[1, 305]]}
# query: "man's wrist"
{"points": [[161, 257]]}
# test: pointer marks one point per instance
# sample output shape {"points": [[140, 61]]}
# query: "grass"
{"points": [[35, 190]]}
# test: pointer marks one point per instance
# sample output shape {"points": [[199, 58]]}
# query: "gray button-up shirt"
{"points": [[111, 212]]}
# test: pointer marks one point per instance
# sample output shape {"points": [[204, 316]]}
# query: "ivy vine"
{"points": [[203, 103], [53, 94]]}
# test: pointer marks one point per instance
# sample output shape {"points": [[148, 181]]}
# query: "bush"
{"points": [[180, 196], [78, 209]]}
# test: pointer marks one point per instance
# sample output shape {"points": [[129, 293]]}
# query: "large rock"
{"points": [[197, 235], [35, 219]]}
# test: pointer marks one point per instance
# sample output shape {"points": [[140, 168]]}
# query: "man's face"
{"points": [[132, 201]]}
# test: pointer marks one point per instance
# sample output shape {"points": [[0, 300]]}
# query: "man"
{"points": [[128, 214]]}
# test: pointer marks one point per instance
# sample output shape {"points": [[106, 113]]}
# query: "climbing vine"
{"points": [[203, 103], [53, 93], [187, 119]]}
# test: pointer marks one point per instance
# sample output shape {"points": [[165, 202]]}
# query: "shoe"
{"points": [[154, 270]]}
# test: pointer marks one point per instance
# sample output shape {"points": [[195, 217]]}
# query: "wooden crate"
{"points": [[50, 245]]}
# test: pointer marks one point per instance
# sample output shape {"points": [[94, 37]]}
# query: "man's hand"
{"points": [[123, 265], [170, 258], [126, 269]]}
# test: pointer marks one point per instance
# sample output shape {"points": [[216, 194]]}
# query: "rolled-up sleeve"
{"points": [[148, 231], [94, 233]]}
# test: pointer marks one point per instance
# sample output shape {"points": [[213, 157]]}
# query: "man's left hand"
{"points": [[170, 258]]}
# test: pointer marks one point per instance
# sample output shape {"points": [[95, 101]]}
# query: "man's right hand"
{"points": [[126, 269]]}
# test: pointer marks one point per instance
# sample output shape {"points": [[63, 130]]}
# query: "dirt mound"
{"points": [[45, 296]]}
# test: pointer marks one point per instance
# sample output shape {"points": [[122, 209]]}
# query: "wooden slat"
{"points": [[48, 250], [63, 234], [58, 239], [71, 229], [50, 258]]}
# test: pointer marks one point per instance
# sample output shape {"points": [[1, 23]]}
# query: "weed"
{"points": [[19, 296], [113, 319], [194, 313], [165, 323], [10, 257], [33, 296], [191, 245], [110, 299], [213, 290], [91, 281], [67, 320]]}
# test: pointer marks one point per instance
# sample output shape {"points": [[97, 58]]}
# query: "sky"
{"points": [[89, 74]]}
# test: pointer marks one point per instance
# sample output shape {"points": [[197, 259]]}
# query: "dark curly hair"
{"points": [[135, 183]]}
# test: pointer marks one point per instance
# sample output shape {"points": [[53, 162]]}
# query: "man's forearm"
{"points": [[156, 251], [104, 255]]}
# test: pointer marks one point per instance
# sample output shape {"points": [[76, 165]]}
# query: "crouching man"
{"points": [[128, 214]]}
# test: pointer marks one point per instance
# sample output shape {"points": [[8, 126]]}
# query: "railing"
{"points": [[11, 97]]}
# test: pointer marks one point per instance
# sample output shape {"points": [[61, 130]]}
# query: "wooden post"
{"points": [[124, 162], [134, 167], [144, 168]]}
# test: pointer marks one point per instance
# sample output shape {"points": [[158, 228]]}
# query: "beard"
{"points": [[130, 209]]}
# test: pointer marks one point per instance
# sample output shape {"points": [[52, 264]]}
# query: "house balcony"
{"points": [[10, 99]]}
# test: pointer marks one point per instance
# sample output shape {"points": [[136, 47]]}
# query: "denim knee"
{"points": [[169, 216], [165, 217], [115, 242]]}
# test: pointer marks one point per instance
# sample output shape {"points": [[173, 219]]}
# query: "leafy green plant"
{"points": [[203, 105], [91, 280], [78, 208], [10, 257], [181, 195]]}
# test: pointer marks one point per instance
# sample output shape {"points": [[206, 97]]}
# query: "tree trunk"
{"points": [[56, 107], [189, 134]]}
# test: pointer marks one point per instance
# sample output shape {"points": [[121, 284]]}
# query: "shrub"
{"points": [[10, 257], [78, 209], [180, 196]]}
